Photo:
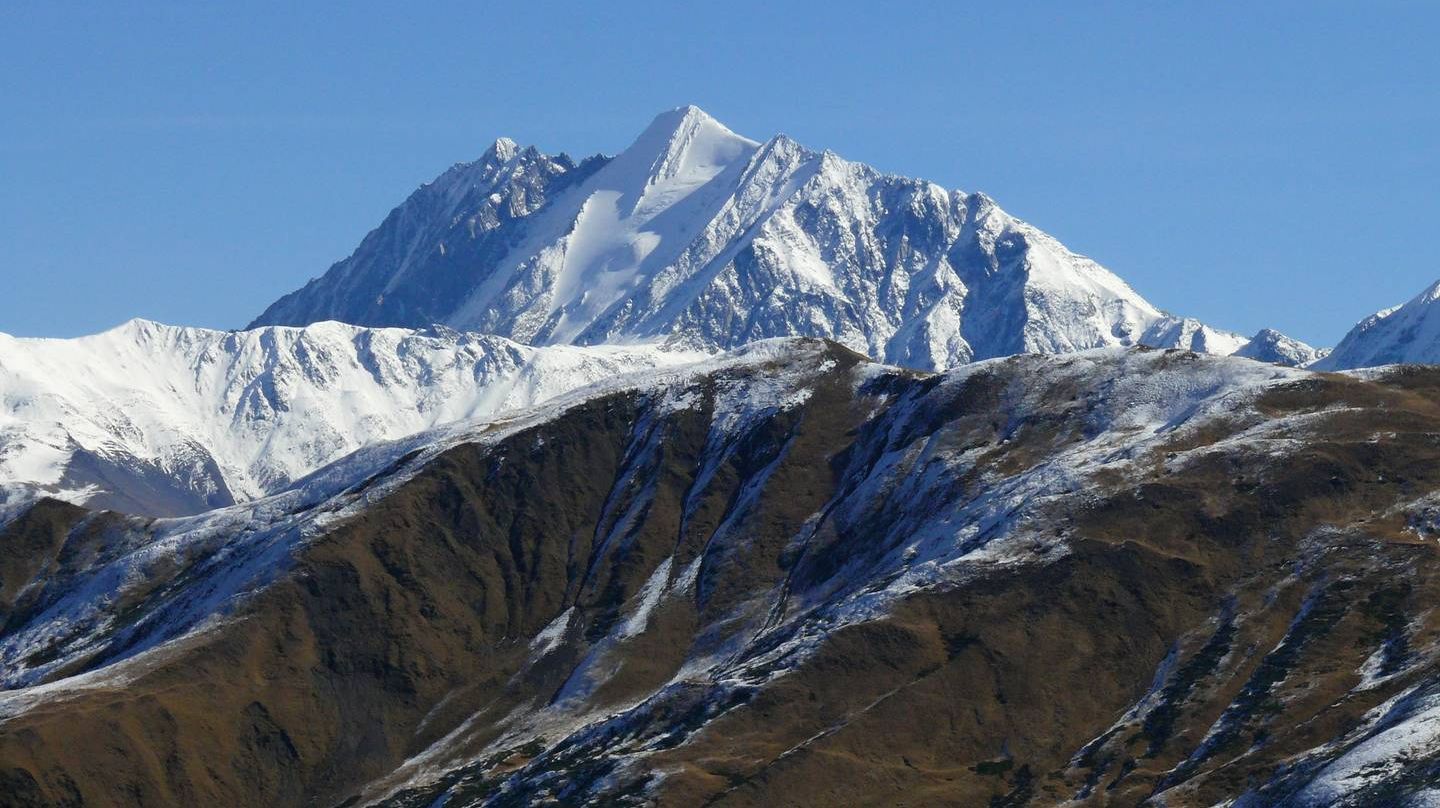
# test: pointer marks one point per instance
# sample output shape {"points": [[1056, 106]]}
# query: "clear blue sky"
{"points": [[1249, 164]]}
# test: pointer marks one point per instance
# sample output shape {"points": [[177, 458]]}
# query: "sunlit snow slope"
{"points": [[159, 419], [1408, 333]]}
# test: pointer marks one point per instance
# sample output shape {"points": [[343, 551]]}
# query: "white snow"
{"points": [[269, 405], [648, 599], [1402, 730], [1269, 345], [550, 637], [606, 240]]}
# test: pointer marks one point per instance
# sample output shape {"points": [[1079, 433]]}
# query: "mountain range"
{"points": [[161, 420], [718, 472]]}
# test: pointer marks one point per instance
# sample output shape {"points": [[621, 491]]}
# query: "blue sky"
{"points": [[1269, 164]]}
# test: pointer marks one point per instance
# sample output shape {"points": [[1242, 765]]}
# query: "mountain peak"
{"points": [[1188, 333], [685, 140], [1402, 334], [701, 235], [1269, 345], [140, 326], [1430, 295], [503, 149], [680, 118]]}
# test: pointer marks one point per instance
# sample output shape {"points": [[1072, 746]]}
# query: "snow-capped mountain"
{"points": [[700, 236], [1408, 333], [781, 576], [1269, 345], [1190, 334], [158, 419]]}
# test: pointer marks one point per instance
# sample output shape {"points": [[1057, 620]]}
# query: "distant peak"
{"points": [[1269, 345], [1430, 295], [678, 117], [503, 149], [138, 324], [683, 123], [783, 145], [141, 328]]}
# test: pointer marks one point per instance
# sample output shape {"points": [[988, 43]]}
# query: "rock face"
{"points": [[1269, 345], [1408, 333], [788, 576], [700, 236], [159, 420], [412, 269]]}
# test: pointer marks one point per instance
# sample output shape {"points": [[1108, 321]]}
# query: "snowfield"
{"points": [[213, 417]]}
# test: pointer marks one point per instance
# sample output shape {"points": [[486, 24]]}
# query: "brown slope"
{"points": [[1267, 578], [424, 609], [993, 691]]}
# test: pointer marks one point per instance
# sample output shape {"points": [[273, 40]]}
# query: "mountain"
{"points": [[1408, 333], [783, 576], [1190, 334], [702, 237], [1269, 345], [161, 420], [693, 238]]}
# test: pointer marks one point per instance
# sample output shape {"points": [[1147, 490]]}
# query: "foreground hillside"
{"points": [[787, 576]]}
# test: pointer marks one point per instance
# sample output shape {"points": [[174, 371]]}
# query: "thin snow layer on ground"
{"points": [[1401, 731], [269, 405], [550, 637], [1141, 400], [1137, 400], [648, 598]]}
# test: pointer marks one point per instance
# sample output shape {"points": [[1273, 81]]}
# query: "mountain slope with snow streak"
{"points": [[163, 420], [702, 237], [1175, 577]]}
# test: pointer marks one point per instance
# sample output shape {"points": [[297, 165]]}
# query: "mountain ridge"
{"points": [[1408, 333], [165, 420]]}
